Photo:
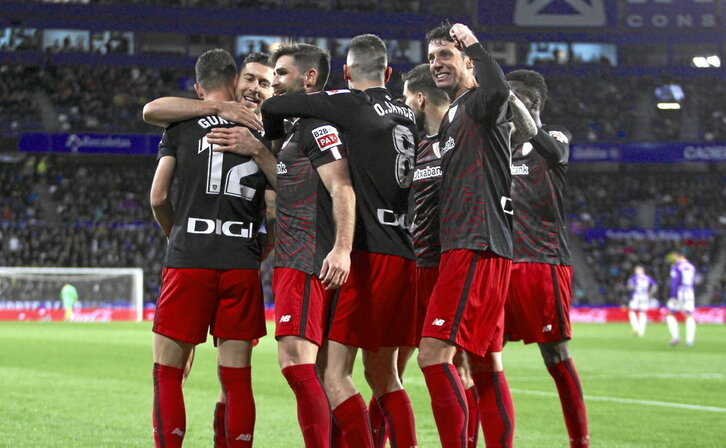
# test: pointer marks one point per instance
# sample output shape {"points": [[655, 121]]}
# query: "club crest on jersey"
{"points": [[281, 168], [559, 136], [326, 137], [449, 145]]}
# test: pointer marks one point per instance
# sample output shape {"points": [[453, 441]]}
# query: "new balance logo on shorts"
{"points": [[178, 432], [438, 322], [244, 437], [285, 318], [547, 328]]}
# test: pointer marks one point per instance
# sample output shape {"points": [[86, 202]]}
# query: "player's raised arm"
{"points": [[524, 126], [166, 110], [554, 144], [336, 265], [493, 89]]}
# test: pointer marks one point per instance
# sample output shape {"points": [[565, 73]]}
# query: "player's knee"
{"points": [[433, 351], [554, 352]]}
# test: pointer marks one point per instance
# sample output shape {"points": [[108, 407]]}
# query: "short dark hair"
{"points": [[370, 55], [534, 84], [260, 58], [306, 57], [440, 33], [215, 69], [419, 79]]}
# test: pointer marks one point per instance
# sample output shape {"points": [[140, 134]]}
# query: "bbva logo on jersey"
{"points": [[589, 13]]}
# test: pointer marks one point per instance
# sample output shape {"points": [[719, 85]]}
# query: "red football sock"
{"points": [[378, 423], [240, 418], [472, 426], [496, 409], [313, 410], [397, 411], [169, 416], [352, 415], [573, 403], [448, 402], [220, 429], [337, 435]]}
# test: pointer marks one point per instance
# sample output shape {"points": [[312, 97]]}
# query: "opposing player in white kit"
{"points": [[642, 288], [682, 299]]}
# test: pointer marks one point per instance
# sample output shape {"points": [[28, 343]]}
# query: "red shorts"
{"points": [[425, 281], [228, 303], [467, 304], [377, 305], [538, 307], [301, 305]]}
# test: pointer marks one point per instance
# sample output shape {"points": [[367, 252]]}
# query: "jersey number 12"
{"points": [[233, 181]]}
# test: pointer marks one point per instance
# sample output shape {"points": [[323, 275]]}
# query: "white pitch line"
{"points": [[690, 376], [629, 401]]}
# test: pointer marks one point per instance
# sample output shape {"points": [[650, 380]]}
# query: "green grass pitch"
{"points": [[89, 385]]}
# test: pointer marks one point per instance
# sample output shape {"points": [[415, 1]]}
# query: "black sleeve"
{"points": [[493, 90], [167, 145], [336, 106], [552, 144]]}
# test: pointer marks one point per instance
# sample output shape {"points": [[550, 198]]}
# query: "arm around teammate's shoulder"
{"points": [[166, 110]]}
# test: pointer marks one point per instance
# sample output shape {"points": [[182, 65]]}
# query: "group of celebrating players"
{"points": [[453, 243]]}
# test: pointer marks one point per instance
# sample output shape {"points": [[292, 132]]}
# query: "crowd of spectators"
{"points": [[644, 200], [681, 200], [613, 261], [110, 99]]}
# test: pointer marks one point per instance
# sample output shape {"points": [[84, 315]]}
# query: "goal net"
{"points": [[103, 294]]}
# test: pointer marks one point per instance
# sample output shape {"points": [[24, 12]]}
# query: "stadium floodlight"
{"points": [[104, 294], [712, 61], [669, 106]]}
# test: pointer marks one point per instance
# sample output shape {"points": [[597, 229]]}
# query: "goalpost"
{"points": [[103, 293]]}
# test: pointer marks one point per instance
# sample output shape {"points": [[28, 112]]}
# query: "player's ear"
{"points": [[311, 78], [469, 62], [387, 74], [199, 90], [346, 72], [421, 100]]}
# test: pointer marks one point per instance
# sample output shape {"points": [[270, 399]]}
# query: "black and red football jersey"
{"points": [[305, 231], [425, 192], [218, 210], [539, 172], [380, 138], [476, 212]]}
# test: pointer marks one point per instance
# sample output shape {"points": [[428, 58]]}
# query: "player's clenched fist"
{"points": [[463, 35]]}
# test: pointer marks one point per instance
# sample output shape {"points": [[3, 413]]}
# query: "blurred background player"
{"points": [[466, 308], [682, 299], [540, 290], [429, 105], [316, 221], [69, 297], [375, 309], [642, 288], [211, 279]]}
